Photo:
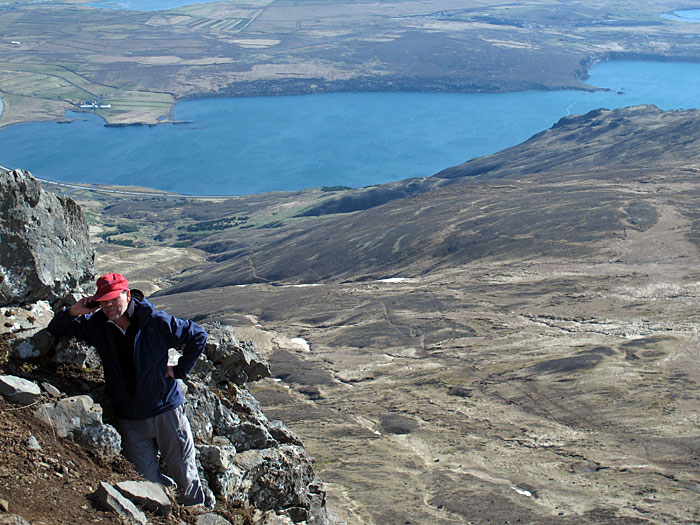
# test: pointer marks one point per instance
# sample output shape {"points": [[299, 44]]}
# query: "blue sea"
{"points": [[236, 146], [684, 15]]}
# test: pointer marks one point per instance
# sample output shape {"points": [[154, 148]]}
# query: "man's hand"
{"points": [[169, 372], [80, 308]]}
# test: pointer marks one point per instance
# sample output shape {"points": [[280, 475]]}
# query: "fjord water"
{"points": [[250, 145], [684, 15]]}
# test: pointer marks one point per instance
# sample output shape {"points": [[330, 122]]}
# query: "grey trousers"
{"points": [[169, 433]]}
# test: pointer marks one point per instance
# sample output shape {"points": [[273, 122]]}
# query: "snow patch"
{"points": [[303, 343], [522, 492]]}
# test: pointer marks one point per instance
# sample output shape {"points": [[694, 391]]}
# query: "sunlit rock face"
{"points": [[45, 249]]}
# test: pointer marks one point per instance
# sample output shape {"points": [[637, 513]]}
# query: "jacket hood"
{"points": [[143, 308]]}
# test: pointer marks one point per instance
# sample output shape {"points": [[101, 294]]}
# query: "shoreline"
{"points": [[153, 192], [147, 191], [302, 87]]}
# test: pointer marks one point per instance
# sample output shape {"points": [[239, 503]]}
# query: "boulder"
{"points": [[212, 519], [279, 479], [67, 415], [279, 431], [45, 249], [110, 499], [29, 317], [271, 518], [19, 390], [233, 360], [241, 422], [101, 438], [216, 458], [80, 418], [77, 353], [31, 345], [147, 495]]}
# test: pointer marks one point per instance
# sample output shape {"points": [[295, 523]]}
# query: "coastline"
{"points": [[290, 87], [630, 98]]}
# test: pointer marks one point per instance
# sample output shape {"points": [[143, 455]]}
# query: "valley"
{"points": [[513, 339]]}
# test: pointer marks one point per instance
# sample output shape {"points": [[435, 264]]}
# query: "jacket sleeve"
{"points": [[192, 340], [64, 324]]}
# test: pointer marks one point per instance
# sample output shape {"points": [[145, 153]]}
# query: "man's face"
{"points": [[115, 308]]}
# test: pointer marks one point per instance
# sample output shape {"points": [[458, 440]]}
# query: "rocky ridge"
{"points": [[255, 470]]}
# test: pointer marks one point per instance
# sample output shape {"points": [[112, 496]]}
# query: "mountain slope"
{"points": [[566, 191], [538, 365]]}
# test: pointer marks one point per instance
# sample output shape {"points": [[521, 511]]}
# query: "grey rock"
{"points": [[51, 390], [202, 410], [216, 458], [67, 415], [24, 349], [233, 361], [280, 478], [211, 519], [19, 390], [147, 495], [250, 435], [45, 249], [101, 438], [33, 443], [76, 353], [279, 431], [26, 319], [228, 485], [109, 498], [243, 402], [80, 418], [243, 463], [32, 344], [271, 518], [241, 422]]}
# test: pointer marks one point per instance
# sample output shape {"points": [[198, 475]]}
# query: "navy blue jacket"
{"points": [[157, 331]]}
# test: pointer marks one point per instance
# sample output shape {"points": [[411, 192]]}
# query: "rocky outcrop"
{"points": [[45, 251], [246, 461]]}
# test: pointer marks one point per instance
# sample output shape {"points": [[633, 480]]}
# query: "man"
{"points": [[133, 339]]}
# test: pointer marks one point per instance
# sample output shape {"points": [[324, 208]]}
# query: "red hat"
{"points": [[109, 286]]}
